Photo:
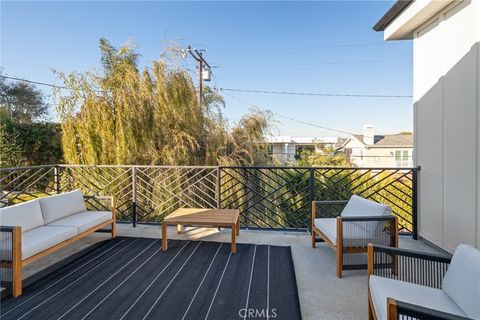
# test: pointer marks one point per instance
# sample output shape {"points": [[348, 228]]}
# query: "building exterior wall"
{"points": [[446, 122], [361, 155]]}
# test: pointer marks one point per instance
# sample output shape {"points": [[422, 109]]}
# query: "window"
{"points": [[270, 149], [398, 156], [405, 155]]}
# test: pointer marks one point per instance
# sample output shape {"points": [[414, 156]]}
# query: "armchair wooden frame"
{"points": [[341, 247], [16, 263], [382, 258]]}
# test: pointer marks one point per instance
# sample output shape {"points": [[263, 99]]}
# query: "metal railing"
{"points": [[267, 197]]}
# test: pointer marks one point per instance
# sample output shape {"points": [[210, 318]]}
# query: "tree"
{"points": [[36, 143], [327, 157], [23, 102], [11, 153], [152, 116]]}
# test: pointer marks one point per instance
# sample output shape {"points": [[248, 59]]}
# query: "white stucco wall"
{"points": [[446, 122], [363, 156]]}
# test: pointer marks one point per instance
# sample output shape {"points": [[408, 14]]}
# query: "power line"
{"points": [[345, 45], [313, 64], [291, 119], [35, 82], [317, 94]]}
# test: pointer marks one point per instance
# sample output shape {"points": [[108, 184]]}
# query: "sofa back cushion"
{"points": [[462, 280], [27, 215], [359, 207], [62, 205]]}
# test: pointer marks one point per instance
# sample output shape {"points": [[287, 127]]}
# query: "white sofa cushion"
{"points": [[27, 215], [62, 205], [359, 207], [383, 288], [462, 280], [83, 220], [42, 238]]}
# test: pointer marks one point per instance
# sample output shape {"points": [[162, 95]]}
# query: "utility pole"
{"points": [[198, 56]]}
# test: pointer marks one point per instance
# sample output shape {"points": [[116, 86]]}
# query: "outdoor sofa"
{"points": [[349, 231], [405, 284], [36, 228]]}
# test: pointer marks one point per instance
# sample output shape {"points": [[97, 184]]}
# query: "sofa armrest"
{"points": [[407, 265], [98, 202], [404, 310], [10, 244], [11, 257]]}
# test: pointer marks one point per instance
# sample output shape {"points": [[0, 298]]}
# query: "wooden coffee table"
{"points": [[205, 218]]}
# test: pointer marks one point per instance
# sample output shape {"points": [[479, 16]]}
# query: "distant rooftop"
{"points": [[391, 140]]}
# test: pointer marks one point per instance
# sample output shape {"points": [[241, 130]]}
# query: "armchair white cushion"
{"points": [[356, 207], [83, 220], [383, 288], [62, 205], [328, 226], [360, 207], [27, 215], [462, 280]]}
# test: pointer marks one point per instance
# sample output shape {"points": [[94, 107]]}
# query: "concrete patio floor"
{"points": [[322, 295]]}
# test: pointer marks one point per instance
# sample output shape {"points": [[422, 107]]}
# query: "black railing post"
{"points": [[312, 194], [415, 203], [134, 197], [56, 178], [219, 188]]}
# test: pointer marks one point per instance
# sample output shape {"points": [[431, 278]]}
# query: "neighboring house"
{"points": [[446, 98], [287, 149], [370, 150]]}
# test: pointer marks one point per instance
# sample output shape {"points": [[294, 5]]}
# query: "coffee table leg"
{"points": [[234, 239], [238, 227], [179, 228], [164, 237]]}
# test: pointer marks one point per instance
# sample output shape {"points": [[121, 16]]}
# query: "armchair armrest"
{"points": [[328, 208], [404, 310], [359, 231], [407, 265]]}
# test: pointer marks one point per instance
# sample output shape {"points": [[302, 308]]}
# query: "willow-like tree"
{"points": [[152, 116]]}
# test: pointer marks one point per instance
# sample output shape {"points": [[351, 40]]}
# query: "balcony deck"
{"points": [[322, 295]]}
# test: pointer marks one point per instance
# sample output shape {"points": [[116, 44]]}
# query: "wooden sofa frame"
{"points": [[16, 264], [339, 248]]}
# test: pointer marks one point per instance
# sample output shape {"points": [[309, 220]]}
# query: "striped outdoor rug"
{"points": [[131, 278]]}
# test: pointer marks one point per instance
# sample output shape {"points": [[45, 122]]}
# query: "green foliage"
{"points": [[10, 150], [22, 102], [36, 143], [151, 116], [326, 158]]}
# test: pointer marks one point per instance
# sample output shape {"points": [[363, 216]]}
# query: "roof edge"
{"points": [[398, 7]]}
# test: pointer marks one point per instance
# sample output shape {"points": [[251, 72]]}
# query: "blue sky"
{"points": [[280, 46]]}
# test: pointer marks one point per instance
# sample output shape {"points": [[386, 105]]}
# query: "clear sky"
{"points": [[324, 47]]}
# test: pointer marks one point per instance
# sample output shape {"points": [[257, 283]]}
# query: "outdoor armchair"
{"points": [[349, 231], [405, 284]]}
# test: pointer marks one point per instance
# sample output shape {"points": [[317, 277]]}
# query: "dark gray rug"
{"points": [[131, 278]]}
